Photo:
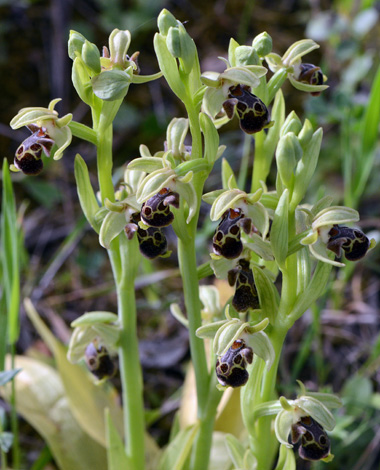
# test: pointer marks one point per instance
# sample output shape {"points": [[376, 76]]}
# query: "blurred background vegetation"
{"points": [[337, 345]]}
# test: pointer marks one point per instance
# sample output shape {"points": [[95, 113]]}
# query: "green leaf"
{"points": [[42, 401], [9, 257], [168, 66], [87, 198], [111, 85], [7, 376], [236, 450], [176, 453], [116, 456], [87, 401], [279, 230]]}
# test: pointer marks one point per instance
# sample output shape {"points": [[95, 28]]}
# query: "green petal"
{"points": [[306, 86], [227, 200], [298, 50], [113, 224], [282, 427], [213, 100], [318, 411], [335, 215], [91, 318], [262, 346]]}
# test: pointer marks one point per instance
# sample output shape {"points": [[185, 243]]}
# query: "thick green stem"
{"points": [[130, 369], [266, 445], [188, 268], [105, 165], [259, 172]]}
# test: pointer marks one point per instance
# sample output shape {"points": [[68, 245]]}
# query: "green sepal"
{"points": [[279, 230], [231, 52], [209, 330], [175, 136], [75, 44], [261, 346], [195, 166], [268, 294], [87, 198], [230, 199], [247, 75], [306, 167], [165, 21], [186, 190], [91, 56], [228, 177], [147, 164], [335, 215], [177, 313], [168, 66], [246, 55], [92, 318], [306, 86], [282, 426], [213, 100], [118, 42], [318, 411], [211, 138], [113, 224], [320, 252], [227, 334], [153, 183], [286, 460], [81, 81], [298, 50], [112, 85]]}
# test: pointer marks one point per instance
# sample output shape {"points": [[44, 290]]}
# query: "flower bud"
{"points": [[263, 44], [156, 212], [231, 367], [252, 112], [118, 45], [75, 44], [181, 46], [165, 21], [288, 153]]}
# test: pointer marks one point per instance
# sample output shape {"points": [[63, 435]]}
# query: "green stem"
{"points": [[188, 268], [266, 444], [130, 369], [242, 179], [105, 164], [259, 171], [14, 421], [195, 129]]}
